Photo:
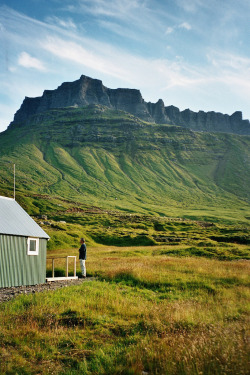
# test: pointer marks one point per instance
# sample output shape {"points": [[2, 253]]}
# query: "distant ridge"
{"points": [[108, 158], [87, 91]]}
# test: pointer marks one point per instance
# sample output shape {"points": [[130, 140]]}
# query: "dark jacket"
{"points": [[83, 251]]}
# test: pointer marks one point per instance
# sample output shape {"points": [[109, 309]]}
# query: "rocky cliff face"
{"points": [[86, 91], [209, 121]]}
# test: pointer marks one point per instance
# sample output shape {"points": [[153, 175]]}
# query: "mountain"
{"points": [[100, 156], [86, 91]]}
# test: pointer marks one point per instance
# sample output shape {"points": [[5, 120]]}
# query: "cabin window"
{"points": [[33, 246]]}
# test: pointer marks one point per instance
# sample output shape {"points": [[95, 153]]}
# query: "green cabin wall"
{"points": [[16, 267]]}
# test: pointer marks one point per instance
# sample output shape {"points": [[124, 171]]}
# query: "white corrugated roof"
{"points": [[14, 220]]}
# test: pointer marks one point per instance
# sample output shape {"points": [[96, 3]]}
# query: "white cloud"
{"points": [[185, 25], [67, 23], [119, 29], [28, 61], [12, 69], [169, 30], [231, 70], [123, 65], [141, 16], [103, 61], [115, 8], [228, 60], [191, 6]]}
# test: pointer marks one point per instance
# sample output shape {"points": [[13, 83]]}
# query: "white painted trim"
{"points": [[61, 278], [29, 252]]}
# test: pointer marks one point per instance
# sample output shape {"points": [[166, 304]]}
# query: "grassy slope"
{"points": [[112, 160], [174, 236]]}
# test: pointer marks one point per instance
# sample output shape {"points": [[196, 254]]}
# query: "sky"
{"points": [[191, 53]]}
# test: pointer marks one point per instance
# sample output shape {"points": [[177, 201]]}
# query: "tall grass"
{"points": [[158, 315]]}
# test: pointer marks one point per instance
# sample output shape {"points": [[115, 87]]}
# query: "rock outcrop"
{"points": [[209, 121], [86, 91]]}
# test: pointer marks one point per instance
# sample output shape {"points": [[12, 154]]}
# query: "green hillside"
{"points": [[95, 156], [165, 213]]}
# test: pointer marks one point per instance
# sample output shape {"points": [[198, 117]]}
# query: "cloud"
{"points": [[169, 30], [84, 56], [12, 69], [116, 8], [119, 29], [231, 70], [125, 17], [229, 60], [67, 23], [27, 61], [122, 65], [191, 6], [185, 25]]}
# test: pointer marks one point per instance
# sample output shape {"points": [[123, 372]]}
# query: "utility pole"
{"points": [[14, 181]]}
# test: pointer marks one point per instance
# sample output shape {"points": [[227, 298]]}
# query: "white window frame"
{"points": [[30, 252]]}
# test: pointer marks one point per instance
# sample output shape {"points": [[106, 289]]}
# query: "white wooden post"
{"points": [[75, 267], [67, 266], [53, 267]]}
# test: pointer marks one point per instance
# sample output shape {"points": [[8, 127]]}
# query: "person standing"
{"points": [[82, 256]]}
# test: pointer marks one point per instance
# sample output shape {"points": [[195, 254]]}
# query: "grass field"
{"points": [[186, 237], [144, 313]]}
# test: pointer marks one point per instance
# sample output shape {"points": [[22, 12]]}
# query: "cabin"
{"points": [[23, 247]]}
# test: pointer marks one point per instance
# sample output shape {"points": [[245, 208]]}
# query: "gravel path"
{"points": [[7, 294]]}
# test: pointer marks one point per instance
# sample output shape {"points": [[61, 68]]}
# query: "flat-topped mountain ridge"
{"points": [[108, 158], [86, 91]]}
